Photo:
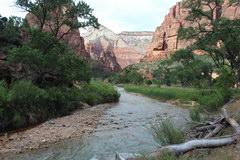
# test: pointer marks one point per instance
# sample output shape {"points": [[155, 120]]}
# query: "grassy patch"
{"points": [[210, 99], [164, 94]]}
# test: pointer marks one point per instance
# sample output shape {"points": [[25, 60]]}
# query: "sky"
{"points": [[117, 15]]}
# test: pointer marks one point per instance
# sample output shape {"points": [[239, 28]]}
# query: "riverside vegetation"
{"points": [[44, 78]]}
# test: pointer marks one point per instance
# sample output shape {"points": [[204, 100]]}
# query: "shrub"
{"points": [[214, 100], [63, 100], [23, 103], [148, 82], [165, 133], [98, 92]]}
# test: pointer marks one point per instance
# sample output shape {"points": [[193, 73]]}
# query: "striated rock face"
{"points": [[128, 47], [73, 38], [137, 40], [165, 40]]}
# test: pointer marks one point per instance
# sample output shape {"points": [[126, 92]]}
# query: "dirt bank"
{"points": [[80, 123]]}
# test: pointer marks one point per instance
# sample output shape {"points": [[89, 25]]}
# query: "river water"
{"points": [[123, 129]]}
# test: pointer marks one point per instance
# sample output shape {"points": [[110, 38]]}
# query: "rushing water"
{"points": [[124, 129]]}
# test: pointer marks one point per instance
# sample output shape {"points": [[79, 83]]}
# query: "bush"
{"points": [[23, 103], [62, 101], [215, 99], [98, 92], [165, 133], [149, 82]]}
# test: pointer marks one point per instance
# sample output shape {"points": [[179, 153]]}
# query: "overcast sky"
{"points": [[117, 15]]}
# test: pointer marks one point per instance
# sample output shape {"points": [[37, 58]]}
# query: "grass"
{"points": [[165, 133], [164, 94]]}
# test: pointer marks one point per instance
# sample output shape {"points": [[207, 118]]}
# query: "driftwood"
{"points": [[193, 144], [203, 134]]}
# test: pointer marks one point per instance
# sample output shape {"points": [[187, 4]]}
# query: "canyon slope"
{"points": [[165, 40], [128, 47], [105, 61]]}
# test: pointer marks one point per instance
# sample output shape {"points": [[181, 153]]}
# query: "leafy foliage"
{"points": [[54, 67], [10, 33], [23, 103], [130, 77], [215, 35], [53, 11], [97, 92]]}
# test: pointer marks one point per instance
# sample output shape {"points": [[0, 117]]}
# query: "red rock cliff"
{"points": [[73, 38], [165, 40]]}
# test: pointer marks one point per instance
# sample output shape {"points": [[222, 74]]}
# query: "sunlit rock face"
{"points": [[165, 40], [128, 47]]}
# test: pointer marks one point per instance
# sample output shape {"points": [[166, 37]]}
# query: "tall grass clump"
{"points": [[195, 115], [165, 133]]}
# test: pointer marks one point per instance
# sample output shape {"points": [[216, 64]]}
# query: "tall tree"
{"points": [[53, 15], [9, 33], [214, 34]]}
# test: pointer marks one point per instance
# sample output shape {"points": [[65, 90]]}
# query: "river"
{"points": [[123, 129]]}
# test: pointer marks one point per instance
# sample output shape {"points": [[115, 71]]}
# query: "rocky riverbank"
{"points": [[80, 123]]}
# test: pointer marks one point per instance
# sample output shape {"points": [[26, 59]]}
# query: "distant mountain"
{"points": [[128, 47]]}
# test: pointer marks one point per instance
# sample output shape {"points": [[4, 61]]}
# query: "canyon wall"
{"points": [[105, 60], [128, 47], [165, 40], [73, 39]]}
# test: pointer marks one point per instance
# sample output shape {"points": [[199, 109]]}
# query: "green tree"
{"points": [[10, 33], [165, 73], [56, 66], [217, 36], [55, 14]]}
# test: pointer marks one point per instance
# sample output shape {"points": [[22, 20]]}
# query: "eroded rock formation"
{"points": [[165, 40], [128, 47], [105, 59]]}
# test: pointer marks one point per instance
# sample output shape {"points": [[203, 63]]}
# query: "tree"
{"points": [[54, 67], [165, 72], [53, 15], [10, 33], [217, 36]]}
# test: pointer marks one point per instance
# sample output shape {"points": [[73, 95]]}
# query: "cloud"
{"points": [[117, 15], [7, 9]]}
